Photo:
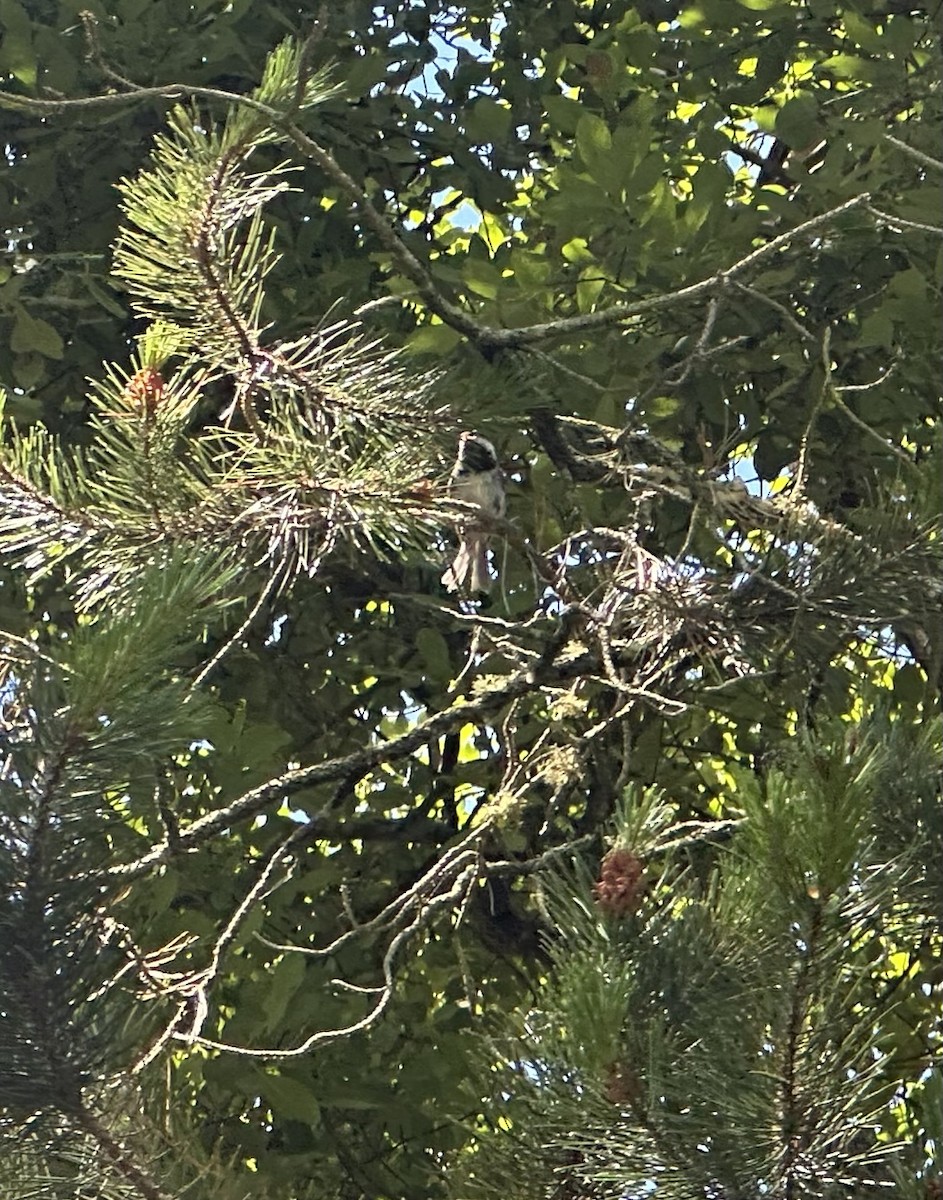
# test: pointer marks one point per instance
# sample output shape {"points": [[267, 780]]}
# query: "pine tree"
{"points": [[721, 1024], [169, 517]]}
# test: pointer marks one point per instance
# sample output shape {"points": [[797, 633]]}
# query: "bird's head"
{"points": [[476, 453]]}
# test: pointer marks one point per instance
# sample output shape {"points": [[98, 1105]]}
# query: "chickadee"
{"points": [[476, 478]]}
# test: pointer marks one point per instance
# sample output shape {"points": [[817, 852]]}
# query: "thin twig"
{"points": [[272, 583], [384, 991], [487, 337], [555, 363], [917, 155], [784, 312], [802, 465], [891, 220], [900, 454]]}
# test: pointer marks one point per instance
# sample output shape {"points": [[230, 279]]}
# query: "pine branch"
{"points": [[119, 1158], [76, 716], [794, 1111], [146, 483], [333, 449], [718, 1038]]}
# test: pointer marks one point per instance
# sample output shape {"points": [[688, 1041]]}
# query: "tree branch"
{"points": [[925, 160], [356, 763], [487, 338], [119, 1158]]}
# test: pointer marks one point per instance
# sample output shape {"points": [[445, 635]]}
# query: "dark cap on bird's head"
{"points": [[476, 453]]}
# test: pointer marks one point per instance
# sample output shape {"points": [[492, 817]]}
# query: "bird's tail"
{"points": [[469, 569]]}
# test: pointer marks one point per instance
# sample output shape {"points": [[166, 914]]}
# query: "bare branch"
{"points": [[422, 914], [404, 258], [825, 359], [357, 763], [891, 222], [119, 1158], [788, 317], [925, 160], [275, 580], [618, 313], [487, 338], [900, 454]]}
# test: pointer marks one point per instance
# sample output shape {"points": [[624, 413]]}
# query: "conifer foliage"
{"points": [[317, 881], [338, 457], [719, 1032]]}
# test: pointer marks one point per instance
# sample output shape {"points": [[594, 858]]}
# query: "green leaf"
{"points": [[16, 49], [576, 251], [34, 335], [434, 338], [797, 123], [644, 177], [846, 66], [487, 121], [591, 283], [291, 1098], [492, 232], [104, 298], [594, 142], [609, 411], [877, 329], [482, 277], [358, 1094], [531, 270], [28, 370], [640, 46], [862, 32], [661, 407], [434, 652], [364, 72], [578, 202], [565, 112], [283, 983], [900, 34]]}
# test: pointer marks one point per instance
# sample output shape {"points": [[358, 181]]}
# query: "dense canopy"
{"points": [[319, 880]]}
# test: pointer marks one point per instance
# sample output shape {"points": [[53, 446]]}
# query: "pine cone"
{"points": [[146, 389], [622, 1085], [621, 885]]}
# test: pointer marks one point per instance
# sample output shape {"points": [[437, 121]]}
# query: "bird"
{"points": [[476, 478]]}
